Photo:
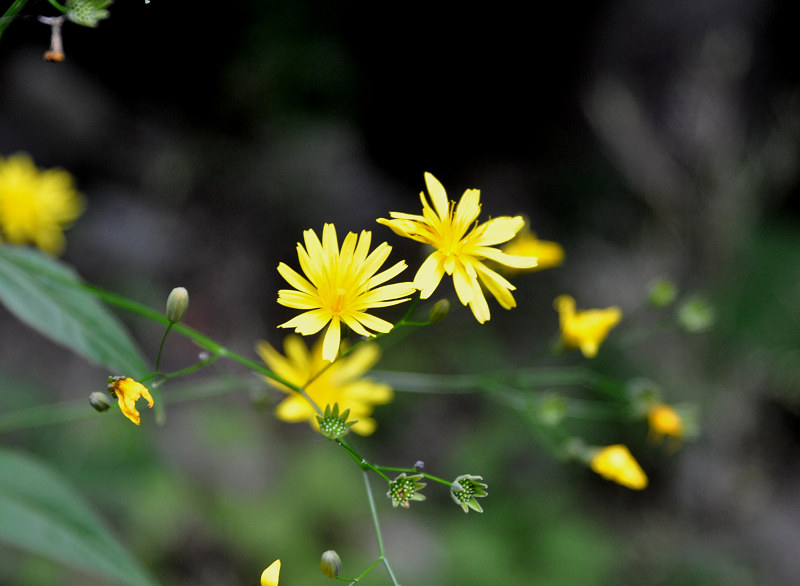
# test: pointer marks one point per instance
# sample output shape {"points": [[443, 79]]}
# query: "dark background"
{"points": [[649, 139]]}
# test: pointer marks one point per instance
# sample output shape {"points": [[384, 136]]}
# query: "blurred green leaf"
{"points": [[45, 294], [41, 513]]}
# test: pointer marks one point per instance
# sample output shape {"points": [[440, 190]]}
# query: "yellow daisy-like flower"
{"points": [[585, 329], [36, 206], [664, 421], [616, 463], [525, 243], [271, 575], [341, 285], [340, 382], [128, 391], [461, 245]]}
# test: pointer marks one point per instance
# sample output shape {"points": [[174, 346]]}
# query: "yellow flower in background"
{"points": [[616, 463], [271, 575], [664, 421], [128, 391], [36, 206], [585, 329], [339, 382], [525, 243], [340, 286], [461, 245]]}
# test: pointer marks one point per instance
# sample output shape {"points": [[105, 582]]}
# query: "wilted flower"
{"points": [[128, 391]]}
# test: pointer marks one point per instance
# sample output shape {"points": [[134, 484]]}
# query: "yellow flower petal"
{"points": [[585, 329], [616, 463], [271, 575]]}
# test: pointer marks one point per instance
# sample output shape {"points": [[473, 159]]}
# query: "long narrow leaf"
{"points": [[42, 513], [46, 294]]}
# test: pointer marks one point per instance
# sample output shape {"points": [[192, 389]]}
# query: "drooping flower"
{"points": [[525, 243], [461, 245], [128, 391], [616, 463], [36, 206], [340, 286], [664, 421], [271, 575], [585, 329], [340, 382]]}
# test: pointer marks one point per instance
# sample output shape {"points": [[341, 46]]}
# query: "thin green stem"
{"points": [[10, 14], [161, 345], [58, 6], [378, 535]]}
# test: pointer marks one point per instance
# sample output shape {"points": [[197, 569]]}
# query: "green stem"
{"points": [[378, 535], [11, 13], [58, 6]]}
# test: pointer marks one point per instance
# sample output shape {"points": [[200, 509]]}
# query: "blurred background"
{"points": [[650, 141]]}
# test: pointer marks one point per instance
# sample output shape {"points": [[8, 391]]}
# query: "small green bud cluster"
{"points": [[87, 12], [406, 488], [333, 425], [465, 489]]}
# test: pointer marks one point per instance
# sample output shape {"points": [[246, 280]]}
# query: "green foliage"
{"points": [[48, 296], [41, 513]]}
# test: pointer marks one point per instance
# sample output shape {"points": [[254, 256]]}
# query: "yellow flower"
{"points": [[585, 329], [548, 254], [270, 576], [128, 391], [341, 285], [36, 206], [461, 245], [339, 382], [664, 421], [616, 463]]}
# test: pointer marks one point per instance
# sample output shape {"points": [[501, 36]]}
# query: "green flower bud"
{"points": [[662, 293], [439, 311], [87, 12], [696, 315], [406, 488], [331, 564], [177, 302], [465, 489], [99, 401]]}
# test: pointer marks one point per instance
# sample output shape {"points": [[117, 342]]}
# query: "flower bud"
{"points": [[696, 315], [439, 311], [99, 401], [331, 564], [662, 293], [177, 302]]}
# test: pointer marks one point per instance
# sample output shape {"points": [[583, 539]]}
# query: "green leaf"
{"points": [[41, 513], [47, 295]]}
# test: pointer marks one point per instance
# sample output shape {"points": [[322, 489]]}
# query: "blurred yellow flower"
{"points": [[664, 421], [270, 576], [461, 245], [128, 391], [525, 243], [340, 286], [36, 206], [585, 329], [339, 382], [616, 463]]}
